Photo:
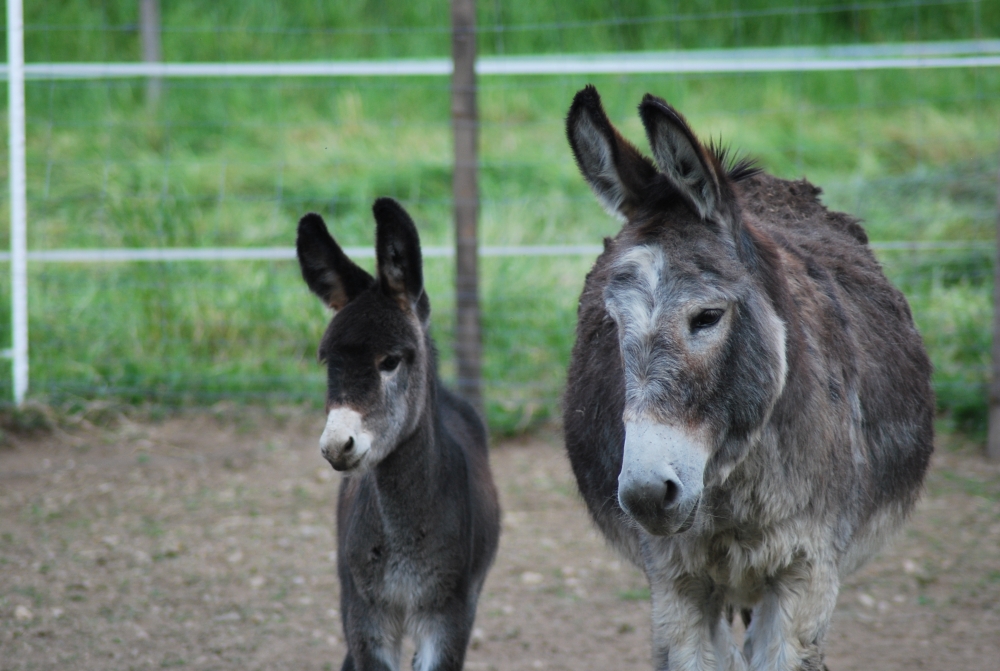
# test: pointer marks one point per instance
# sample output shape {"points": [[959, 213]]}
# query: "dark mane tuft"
{"points": [[737, 167]]}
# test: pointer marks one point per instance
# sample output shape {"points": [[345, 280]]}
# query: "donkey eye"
{"points": [[706, 318], [389, 364]]}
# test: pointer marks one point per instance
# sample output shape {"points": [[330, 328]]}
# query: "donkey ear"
{"points": [[325, 268], [616, 171], [397, 249], [680, 156]]}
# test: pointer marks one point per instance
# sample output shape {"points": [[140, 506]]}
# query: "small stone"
{"points": [[22, 614], [171, 547], [866, 600], [531, 578], [257, 581]]}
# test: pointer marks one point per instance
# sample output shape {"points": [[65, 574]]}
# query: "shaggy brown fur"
{"points": [[748, 409]]}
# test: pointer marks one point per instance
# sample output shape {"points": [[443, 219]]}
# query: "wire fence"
{"points": [[160, 264]]}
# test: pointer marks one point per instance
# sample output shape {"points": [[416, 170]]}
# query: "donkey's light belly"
{"points": [[408, 585]]}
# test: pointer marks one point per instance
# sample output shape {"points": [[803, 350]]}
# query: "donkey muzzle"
{"points": [[662, 476], [344, 442]]}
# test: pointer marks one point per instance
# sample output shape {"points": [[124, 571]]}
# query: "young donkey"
{"points": [[418, 519], [748, 409]]}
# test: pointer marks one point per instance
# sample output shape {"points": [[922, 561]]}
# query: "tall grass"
{"points": [[74, 30], [236, 162]]}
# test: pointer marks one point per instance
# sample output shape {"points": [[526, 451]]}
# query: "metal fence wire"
{"points": [[163, 196]]}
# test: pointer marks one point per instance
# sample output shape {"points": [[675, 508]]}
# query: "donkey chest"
{"points": [[741, 568], [744, 562], [406, 570]]}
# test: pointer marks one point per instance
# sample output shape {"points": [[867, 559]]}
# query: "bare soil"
{"points": [[207, 542]]}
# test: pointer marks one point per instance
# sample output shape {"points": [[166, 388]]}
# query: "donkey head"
{"points": [[375, 348], [702, 348]]}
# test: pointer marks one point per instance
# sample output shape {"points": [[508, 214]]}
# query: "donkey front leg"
{"points": [[788, 626], [442, 638], [690, 630], [374, 642]]}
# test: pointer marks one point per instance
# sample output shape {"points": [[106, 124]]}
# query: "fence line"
{"points": [[616, 21], [904, 55], [952, 54], [170, 254]]}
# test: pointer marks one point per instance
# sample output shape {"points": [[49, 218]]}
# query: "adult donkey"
{"points": [[418, 519], [748, 411]]}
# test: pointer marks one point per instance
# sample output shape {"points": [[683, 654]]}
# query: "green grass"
{"points": [[74, 30], [236, 162], [640, 594]]}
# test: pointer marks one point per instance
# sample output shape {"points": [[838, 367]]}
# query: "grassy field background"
{"points": [[237, 162]]}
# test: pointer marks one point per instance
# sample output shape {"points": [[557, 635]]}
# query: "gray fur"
{"points": [[418, 520], [736, 322]]}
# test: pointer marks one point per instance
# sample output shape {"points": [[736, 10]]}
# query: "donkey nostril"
{"points": [[671, 493], [349, 445]]}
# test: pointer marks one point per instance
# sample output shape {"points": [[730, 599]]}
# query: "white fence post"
{"points": [[18, 198]]}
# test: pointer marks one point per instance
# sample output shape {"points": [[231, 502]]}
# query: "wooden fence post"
{"points": [[465, 188], [152, 51], [993, 439]]}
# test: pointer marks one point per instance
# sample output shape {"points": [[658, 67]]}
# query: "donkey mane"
{"points": [[736, 166]]}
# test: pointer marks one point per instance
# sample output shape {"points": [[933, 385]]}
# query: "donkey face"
{"points": [[374, 348], [702, 349]]}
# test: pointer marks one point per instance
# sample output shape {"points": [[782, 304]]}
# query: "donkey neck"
{"points": [[407, 479]]}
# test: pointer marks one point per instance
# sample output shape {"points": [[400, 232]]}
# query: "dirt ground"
{"points": [[206, 541]]}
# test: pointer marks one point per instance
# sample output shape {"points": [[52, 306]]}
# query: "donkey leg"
{"points": [[374, 643], [442, 638], [691, 629], [789, 625]]}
